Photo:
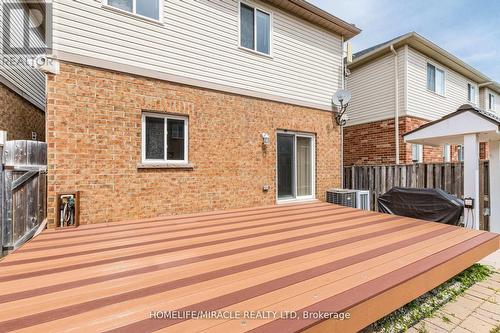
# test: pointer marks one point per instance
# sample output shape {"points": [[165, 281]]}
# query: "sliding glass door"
{"points": [[295, 166]]}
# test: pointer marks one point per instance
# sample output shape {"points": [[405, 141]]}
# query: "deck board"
{"points": [[315, 256]]}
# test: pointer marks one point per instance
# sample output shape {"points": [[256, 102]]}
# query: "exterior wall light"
{"points": [[265, 138]]}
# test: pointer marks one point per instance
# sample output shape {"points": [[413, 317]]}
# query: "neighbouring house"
{"points": [[414, 81], [22, 87], [166, 106]]}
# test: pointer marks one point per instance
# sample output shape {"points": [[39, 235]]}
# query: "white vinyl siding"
{"points": [[373, 90], [199, 40], [372, 86], [482, 98], [484, 102], [26, 81], [426, 104]]}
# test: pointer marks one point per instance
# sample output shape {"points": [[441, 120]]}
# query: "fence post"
{"points": [[3, 139]]}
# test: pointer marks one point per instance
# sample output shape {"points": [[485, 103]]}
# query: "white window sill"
{"points": [[256, 52], [132, 15], [436, 93], [296, 200], [185, 166]]}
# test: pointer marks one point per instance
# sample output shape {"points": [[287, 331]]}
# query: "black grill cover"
{"points": [[427, 204]]}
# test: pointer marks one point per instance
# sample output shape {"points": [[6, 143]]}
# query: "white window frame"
{"points": [[165, 117], [134, 9], [254, 50], [472, 86], [313, 167], [460, 153], [420, 152], [447, 153], [492, 101], [437, 68]]}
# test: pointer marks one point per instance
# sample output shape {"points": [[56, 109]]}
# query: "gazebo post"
{"points": [[494, 195], [471, 178]]}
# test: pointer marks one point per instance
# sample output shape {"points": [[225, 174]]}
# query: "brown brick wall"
{"points": [[431, 154], [484, 151], [19, 117], [373, 143], [94, 138]]}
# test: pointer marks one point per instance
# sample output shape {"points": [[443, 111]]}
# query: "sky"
{"points": [[466, 28]]}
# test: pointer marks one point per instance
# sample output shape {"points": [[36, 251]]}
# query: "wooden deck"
{"points": [[310, 258]]}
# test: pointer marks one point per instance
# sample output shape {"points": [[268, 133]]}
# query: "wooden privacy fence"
{"points": [[446, 176], [23, 183]]}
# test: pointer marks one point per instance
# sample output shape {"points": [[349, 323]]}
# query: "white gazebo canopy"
{"points": [[469, 126]]}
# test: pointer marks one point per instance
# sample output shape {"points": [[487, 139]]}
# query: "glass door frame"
{"points": [[313, 167]]}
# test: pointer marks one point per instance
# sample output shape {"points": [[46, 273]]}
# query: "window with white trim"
{"points": [[164, 138], [460, 153], [491, 102], [471, 93], [146, 8], [447, 153], [255, 29], [417, 153], [435, 79]]}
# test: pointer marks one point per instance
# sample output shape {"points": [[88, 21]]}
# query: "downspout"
{"points": [[342, 82], [396, 109]]}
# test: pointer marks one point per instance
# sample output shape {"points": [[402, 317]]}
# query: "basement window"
{"points": [[255, 29], [150, 9], [164, 139]]}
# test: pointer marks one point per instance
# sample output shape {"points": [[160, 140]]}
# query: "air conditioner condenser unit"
{"points": [[341, 197], [350, 198]]}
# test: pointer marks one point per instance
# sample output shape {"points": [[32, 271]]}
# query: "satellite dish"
{"points": [[341, 97]]}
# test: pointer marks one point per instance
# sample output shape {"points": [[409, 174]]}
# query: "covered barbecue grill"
{"points": [[427, 204]]}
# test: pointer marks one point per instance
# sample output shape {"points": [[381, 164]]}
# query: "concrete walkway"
{"points": [[477, 310], [492, 260]]}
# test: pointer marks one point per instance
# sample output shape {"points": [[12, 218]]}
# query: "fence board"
{"points": [[24, 184]]}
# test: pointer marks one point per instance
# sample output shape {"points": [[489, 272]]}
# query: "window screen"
{"points": [[155, 138], [263, 32], [148, 8], [247, 26], [431, 77], [122, 4]]}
